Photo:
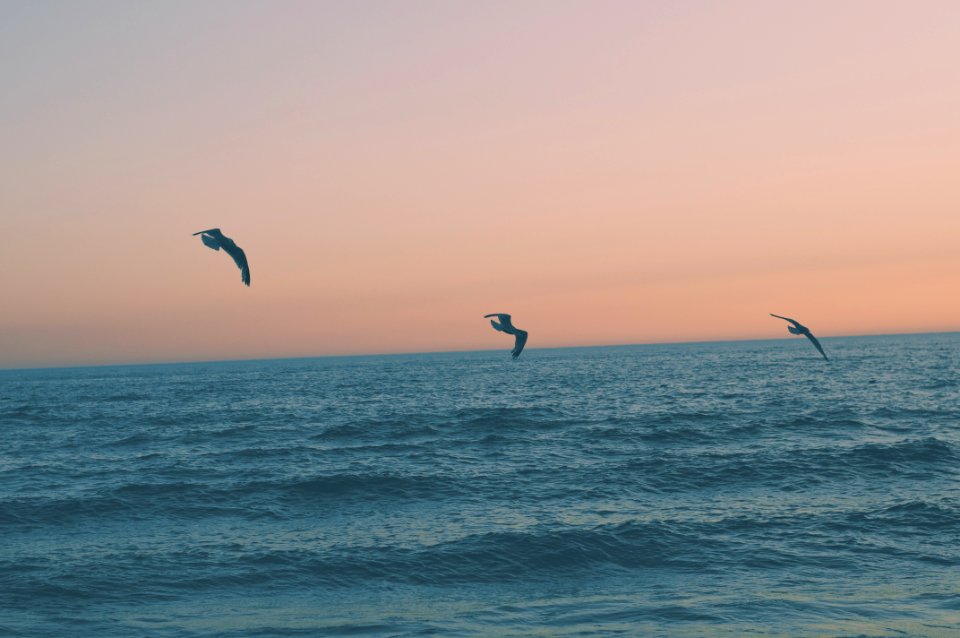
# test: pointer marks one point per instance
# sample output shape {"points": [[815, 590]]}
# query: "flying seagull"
{"points": [[799, 329], [213, 238], [507, 326]]}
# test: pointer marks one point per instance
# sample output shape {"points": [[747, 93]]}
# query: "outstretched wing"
{"points": [[519, 343], [793, 321], [816, 344], [505, 325], [240, 258], [210, 242]]}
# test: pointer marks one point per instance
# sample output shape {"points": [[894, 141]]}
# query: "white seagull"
{"points": [[505, 325], [213, 238], [799, 329]]}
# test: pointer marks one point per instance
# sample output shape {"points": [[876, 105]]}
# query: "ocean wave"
{"points": [[906, 455], [138, 501], [370, 486], [541, 553], [206, 435], [941, 384], [379, 429], [137, 439], [123, 397], [834, 423], [914, 517], [508, 419], [58, 511], [914, 415], [791, 469], [493, 557], [25, 412], [504, 556], [676, 427]]}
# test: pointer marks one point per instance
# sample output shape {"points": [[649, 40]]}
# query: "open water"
{"points": [[720, 489]]}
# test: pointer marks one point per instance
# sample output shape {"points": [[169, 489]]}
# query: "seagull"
{"points": [[507, 326], [799, 329], [213, 238]]}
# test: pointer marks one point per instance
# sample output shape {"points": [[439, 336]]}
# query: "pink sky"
{"points": [[607, 172]]}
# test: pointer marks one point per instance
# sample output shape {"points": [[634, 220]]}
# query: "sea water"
{"points": [[725, 489]]}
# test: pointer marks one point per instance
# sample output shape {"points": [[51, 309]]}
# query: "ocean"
{"points": [[705, 489]]}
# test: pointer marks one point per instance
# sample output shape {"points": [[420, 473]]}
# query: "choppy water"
{"points": [[699, 489]]}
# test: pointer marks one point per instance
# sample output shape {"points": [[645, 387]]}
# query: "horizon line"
{"points": [[429, 352]]}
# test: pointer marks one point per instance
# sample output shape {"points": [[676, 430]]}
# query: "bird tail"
{"points": [[793, 331], [496, 326]]}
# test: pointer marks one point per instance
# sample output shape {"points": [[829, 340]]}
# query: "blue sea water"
{"points": [[720, 489]]}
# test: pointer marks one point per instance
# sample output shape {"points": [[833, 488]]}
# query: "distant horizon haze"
{"points": [[401, 353]]}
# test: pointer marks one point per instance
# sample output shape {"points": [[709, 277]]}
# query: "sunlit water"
{"points": [[699, 489]]}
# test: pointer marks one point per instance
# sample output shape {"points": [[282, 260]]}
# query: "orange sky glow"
{"points": [[607, 172]]}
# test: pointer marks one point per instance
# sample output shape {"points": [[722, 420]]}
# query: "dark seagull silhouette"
{"points": [[213, 238], [799, 329], [506, 325]]}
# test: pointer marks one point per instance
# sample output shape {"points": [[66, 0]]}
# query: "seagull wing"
{"points": [[505, 325], [210, 242], [240, 258], [793, 321], [519, 343], [816, 344]]}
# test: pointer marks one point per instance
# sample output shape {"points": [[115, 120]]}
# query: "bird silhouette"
{"points": [[506, 325], [216, 240], [799, 329]]}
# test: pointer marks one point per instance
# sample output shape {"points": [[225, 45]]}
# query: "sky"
{"points": [[607, 172]]}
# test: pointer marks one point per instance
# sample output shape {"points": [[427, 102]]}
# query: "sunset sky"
{"points": [[607, 172]]}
